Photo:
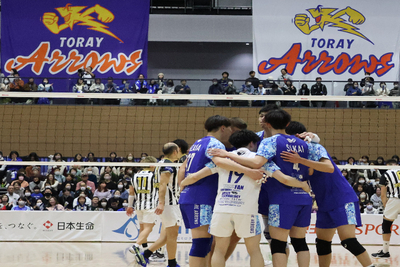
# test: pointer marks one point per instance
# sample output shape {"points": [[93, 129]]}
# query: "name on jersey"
{"points": [[227, 187], [295, 148], [195, 148], [397, 185], [143, 191]]}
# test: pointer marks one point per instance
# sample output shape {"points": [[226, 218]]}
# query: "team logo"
{"points": [[129, 229], [72, 16], [48, 224], [327, 17], [291, 140]]}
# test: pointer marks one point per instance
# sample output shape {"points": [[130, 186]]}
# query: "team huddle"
{"points": [[231, 180]]}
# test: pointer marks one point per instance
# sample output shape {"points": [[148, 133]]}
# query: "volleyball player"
{"points": [[390, 183], [338, 207], [183, 149], [143, 189], [197, 200]]}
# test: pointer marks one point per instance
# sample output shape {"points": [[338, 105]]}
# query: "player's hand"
{"points": [[129, 211], [159, 209], [306, 187], [262, 180], [305, 135], [292, 157], [185, 183], [256, 174], [217, 152]]}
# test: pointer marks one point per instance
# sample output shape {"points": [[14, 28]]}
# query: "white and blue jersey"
{"points": [[261, 135], [205, 190], [263, 202]]}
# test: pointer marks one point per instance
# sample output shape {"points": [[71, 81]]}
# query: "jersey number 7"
{"points": [[238, 175]]}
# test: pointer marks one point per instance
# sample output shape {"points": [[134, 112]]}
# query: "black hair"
{"points": [[268, 108], [183, 80], [365, 156], [395, 156], [14, 152], [75, 158], [243, 138], [274, 85], [169, 148], [225, 72], [110, 78], [367, 73], [213, 123], [304, 86], [34, 155], [383, 160], [351, 158], [238, 123], [391, 161], [113, 153], [184, 146], [284, 70], [349, 79], [278, 119], [295, 127], [251, 72], [318, 78]]}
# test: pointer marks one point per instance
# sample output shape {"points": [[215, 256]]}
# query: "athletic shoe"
{"points": [[138, 255], [157, 257], [177, 265], [381, 255], [266, 263]]}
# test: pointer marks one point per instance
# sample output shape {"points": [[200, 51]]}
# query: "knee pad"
{"points": [[200, 247], [323, 247], [353, 246], [386, 227], [299, 244], [278, 246]]}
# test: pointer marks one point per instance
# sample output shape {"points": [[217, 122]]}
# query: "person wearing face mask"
{"points": [[247, 89], [103, 206], [39, 206], [88, 184], [122, 188], [5, 85], [124, 205], [319, 89], [224, 80], [367, 79], [129, 158], [21, 179], [66, 199], [81, 194], [29, 198], [141, 87], [102, 192], [182, 88], [254, 81], [47, 195], [215, 89], [70, 182], [45, 86], [354, 90], [81, 204], [85, 189], [58, 175], [109, 183], [348, 85], [369, 209], [306, 92], [21, 205], [76, 173], [363, 199], [57, 157], [115, 202]]}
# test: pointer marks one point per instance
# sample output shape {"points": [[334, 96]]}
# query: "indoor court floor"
{"points": [[117, 254]]}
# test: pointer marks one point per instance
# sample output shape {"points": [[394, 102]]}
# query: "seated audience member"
{"points": [[87, 75], [306, 92], [5, 203], [36, 194], [215, 89], [53, 205], [69, 180], [47, 195], [59, 176], [66, 199], [17, 84], [124, 205], [247, 89], [141, 87], [395, 91], [57, 157], [319, 89], [14, 156], [18, 189], [367, 79], [369, 209], [254, 81], [111, 88], [76, 173], [102, 192], [81, 194], [80, 87], [39, 206], [115, 202], [29, 199], [97, 86], [52, 181], [363, 198], [5, 85], [45, 86], [95, 203], [103, 206], [395, 158], [168, 88], [182, 88], [122, 189], [109, 183], [22, 205], [113, 158], [89, 184], [289, 89], [354, 90], [84, 188], [125, 87], [153, 89], [21, 179], [283, 78], [81, 204], [29, 169], [161, 80], [224, 80], [376, 199], [13, 197], [348, 85]]}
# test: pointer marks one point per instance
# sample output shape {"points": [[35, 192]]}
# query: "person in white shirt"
{"points": [[12, 197]]}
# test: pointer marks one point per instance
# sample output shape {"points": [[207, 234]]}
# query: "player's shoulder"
{"points": [[270, 139], [244, 152], [215, 143], [260, 133]]}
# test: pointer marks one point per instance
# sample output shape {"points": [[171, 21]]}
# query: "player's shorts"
{"points": [[349, 213], [196, 215], [147, 216], [245, 225], [171, 216], [263, 202], [392, 209], [285, 216]]}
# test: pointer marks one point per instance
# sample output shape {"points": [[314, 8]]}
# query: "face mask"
{"points": [[21, 178], [28, 194], [369, 207], [248, 83], [125, 204], [73, 173], [120, 186], [355, 86], [107, 177], [48, 187], [230, 83], [215, 83], [361, 181], [68, 187], [89, 172], [83, 188], [57, 173], [362, 196], [38, 204], [6, 82], [21, 203], [366, 76], [58, 157], [47, 194], [117, 196], [104, 204], [130, 158]]}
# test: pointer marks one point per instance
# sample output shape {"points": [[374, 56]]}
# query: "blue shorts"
{"points": [[196, 215], [285, 216], [349, 213], [263, 201]]}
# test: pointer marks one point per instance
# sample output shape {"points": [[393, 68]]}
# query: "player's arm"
{"points": [[181, 172], [164, 179], [131, 200], [197, 176], [290, 181], [383, 184], [256, 163], [229, 165]]}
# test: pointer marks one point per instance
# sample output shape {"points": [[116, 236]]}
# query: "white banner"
{"points": [[117, 227], [335, 40]]}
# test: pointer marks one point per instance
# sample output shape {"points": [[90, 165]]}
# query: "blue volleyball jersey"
{"points": [[261, 135], [331, 190], [205, 190], [278, 193]]}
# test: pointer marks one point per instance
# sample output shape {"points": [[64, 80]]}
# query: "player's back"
{"points": [[146, 185], [237, 193], [279, 193], [205, 190], [331, 188]]}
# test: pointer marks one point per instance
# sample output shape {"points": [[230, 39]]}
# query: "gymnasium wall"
{"points": [[102, 129]]}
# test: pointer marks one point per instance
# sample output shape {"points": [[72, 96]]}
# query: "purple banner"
{"points": [[50, 38]]}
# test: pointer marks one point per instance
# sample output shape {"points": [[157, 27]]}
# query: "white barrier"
{"points": [[117, 227]]}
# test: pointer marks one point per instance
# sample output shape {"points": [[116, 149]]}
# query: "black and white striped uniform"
{"points": [[172, 194], [391, 179], [145, 184]]}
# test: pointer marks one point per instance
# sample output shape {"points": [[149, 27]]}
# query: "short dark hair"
{"points": [[367, 73], [391, 161], [14, 152], [169, 148], [213, 123], [278, 119], [238, 123], [225, 72], [243, 138], [183, 145], [284, 70], [295, 127], [268, 108], [251, 72], [318, 78]]}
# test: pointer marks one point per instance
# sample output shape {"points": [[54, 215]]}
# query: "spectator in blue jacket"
{"points": [[354, 91], [153, 88], [247, 89], [141, 88], [111, 87], [215, 89], [182, 88], [14, 156]]}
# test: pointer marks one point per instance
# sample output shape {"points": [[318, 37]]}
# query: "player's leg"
{"points": [[324, 245], [172, 236], [278, 245], [143, 234], [298, 240], [161, 241], [220, 249], [201, 246], [253, 248], [232, 245]]}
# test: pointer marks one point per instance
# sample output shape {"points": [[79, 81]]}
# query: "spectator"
{"points": [[93, 174], [18, 189], [376, 199], [29, 199], [39, 206], [122, 189], [380, 161], [5, 85], [254, 81], [153, 89], [224, 80], [52, 181], [111, 88], [32, 157], [269, 82], [87, 75], [396, 158], [113, 172], [70, 182], [275, 90], [348, 85], [260, 90], [95, 203], [79, 87], [160, 80], [13, 197], [109, 183], [115, 202], [367, 79], [125, 87], [85, 182], [183, 88], [57, 157], [395, 91], [21, 179], [17, 84], [304, 91], [383, 91], [53, 205], [371, 175], [58, 175], [129, 158], [31, 85], [283, 78], [97, 86], [369, 209], [103, 206], [45, 87], [319, 89], [76, 173], [124, 205], [81, 204], [141, 87], [82, 194], [289, 89], [363, 198], [113, 157], [354, 91], [247, 89], [36, 193], [66, 199], [143, 155], [5, 203], [47, 195], [1, 76], [102, 191], [21, 205], [14, 156], [84, 189], [215, 89]]}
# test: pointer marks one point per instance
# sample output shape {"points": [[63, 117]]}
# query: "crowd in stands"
{"points": [[82, 188], [283, 85]]}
